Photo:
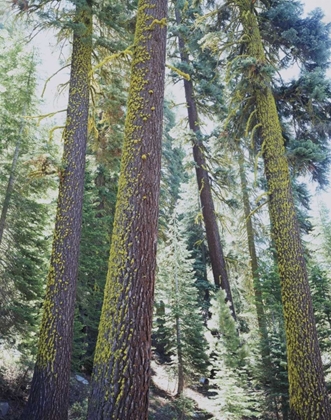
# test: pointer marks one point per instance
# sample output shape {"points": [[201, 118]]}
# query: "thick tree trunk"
{"points": [[308, 396], [122, 372], [49, 395], [215, 248]]}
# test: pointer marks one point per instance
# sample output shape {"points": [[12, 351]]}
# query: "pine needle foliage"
{"points": [[182, 318]]}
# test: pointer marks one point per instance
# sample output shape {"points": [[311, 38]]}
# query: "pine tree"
{"points": [[104, 154], [50, 384], [207, 204], [304, 360], [18, 145], [94, 250], [122, 356], [182, 318], [25, 218], [230, 368], [253, 254], [321, 294], [274, 374]]}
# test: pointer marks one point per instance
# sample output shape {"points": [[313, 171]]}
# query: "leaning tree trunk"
{"points": [[308, 396], [49, 395], [261, 318], [215, 248], [121, 375]]}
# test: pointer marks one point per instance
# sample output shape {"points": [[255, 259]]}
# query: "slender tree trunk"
{"points": [[180, 364], [10, 187], [122, 372], [261, 319], [215, 248], [308, 396], [49, 395], [12, 175]]}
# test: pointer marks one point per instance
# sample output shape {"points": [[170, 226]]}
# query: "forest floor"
{"points": [[196, 403]]}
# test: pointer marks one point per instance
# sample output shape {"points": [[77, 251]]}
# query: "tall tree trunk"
{"points": [[122, 372], [180, 363], [308, 396], [215, 248], [261, 319], [49, 395], [12, 174], [10, 187]]}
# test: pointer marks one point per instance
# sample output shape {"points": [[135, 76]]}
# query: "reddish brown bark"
{"points": [[122, 372], [308, 395], [215, 248], [49, 395]]}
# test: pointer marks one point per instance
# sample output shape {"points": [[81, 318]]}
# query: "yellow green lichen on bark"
{"points": [[56, 283], [49, 389], [126, 304], [308, 397]]}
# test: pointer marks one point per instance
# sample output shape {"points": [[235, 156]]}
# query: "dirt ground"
{"points": [[164, 405]]}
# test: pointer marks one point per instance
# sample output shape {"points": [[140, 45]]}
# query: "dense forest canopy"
{"points": [[160, 257]]}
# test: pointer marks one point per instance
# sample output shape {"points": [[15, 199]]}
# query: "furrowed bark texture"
{"points": [[49, 395], [122, 372], [308, 397], [215, 248]]}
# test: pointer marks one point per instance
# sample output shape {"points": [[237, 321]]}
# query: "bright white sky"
{"points": [[325, 5]]}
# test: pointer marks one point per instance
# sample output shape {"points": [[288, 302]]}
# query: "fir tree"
{"points": [[25, 218], [122, 356], [304, 360], [230, 367], [182, 318], [49, 396], [94, 250], [207, 204]]}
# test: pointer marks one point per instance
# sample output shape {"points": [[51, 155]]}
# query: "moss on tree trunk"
{"points": [[49, 395], [122, 372], [308, 396]]}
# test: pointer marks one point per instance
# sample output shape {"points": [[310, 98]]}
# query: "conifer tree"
{"points": [[25, 107], [122, 358], [230, 367], [50, 384], [104, 154], [25, 218], [215, 247], [176, 289], [308, 398], [172, 171], [321, 294], [253, 254], [97, 221]]}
